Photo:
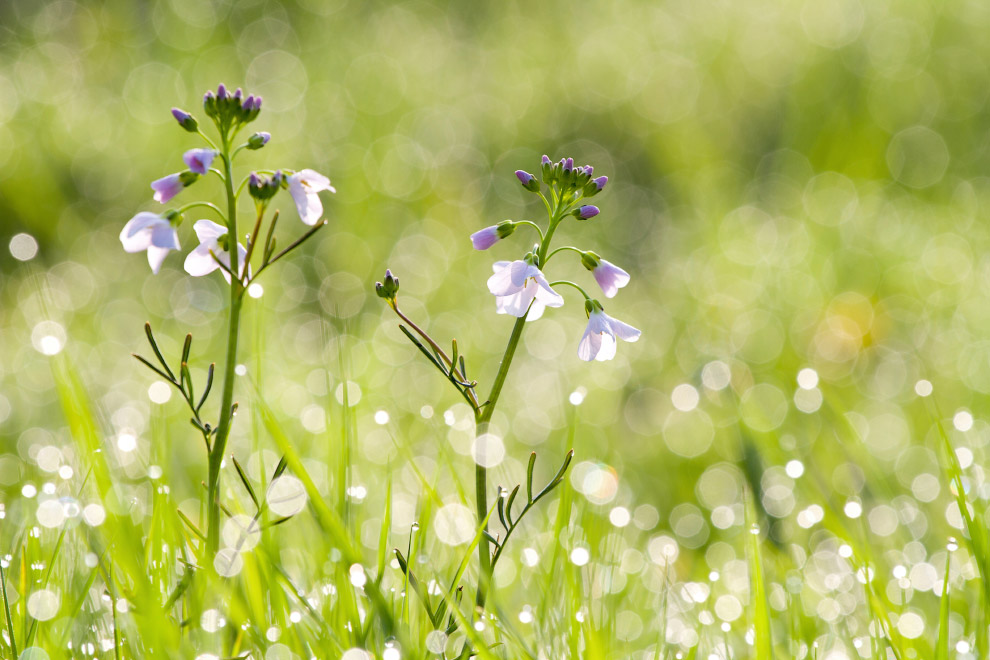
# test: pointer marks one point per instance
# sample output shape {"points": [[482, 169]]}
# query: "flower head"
{"points": [[213, 239], [519, 284], [305, 186], [598, 341], [151, 232], [199, 160], [528, 181]]}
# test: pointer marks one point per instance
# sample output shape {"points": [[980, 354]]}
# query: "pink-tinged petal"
{"points": [[516, 304], [548, 296], [156, 255], [136, 234], [199, 160], [485, 238], [590, 344], [500, 283], [207, 230], [610, 278], [200, 262], [521, 271], [166, 188], [624, 331], [163, 235], [607, 349], [307, 202], [314, 182]]}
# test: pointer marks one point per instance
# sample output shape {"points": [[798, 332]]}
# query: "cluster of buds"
{"points": [[569, 178], [228, 109], [263, 188], [389, 288]]}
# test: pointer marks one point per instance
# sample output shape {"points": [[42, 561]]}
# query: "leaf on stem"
{"points": [[158, 353], [246, 482], [209, 385]]}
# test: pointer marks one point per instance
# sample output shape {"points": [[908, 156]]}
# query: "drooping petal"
{"points": [[314, 182], [590, 344], [207, 230], [624, 331], [546, 295], [500, 284], [308, 204], [517, 303], [163, 235], [200, 262], [135, 236], [606, 350], [521, 271], [156, 256]]}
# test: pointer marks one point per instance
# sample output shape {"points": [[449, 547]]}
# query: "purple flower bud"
{"points": [[587, 211], [167, 187], [569, 165], [485, 238], [600, 182], [257, 103], [208, 96], [186, 120], [238, 94], [588, 169], [546, 160], [524, 176], [221, 91], [253, 180], [258, 140]]}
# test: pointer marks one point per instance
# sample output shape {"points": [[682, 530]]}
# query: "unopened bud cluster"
{"points": [[388, 288], [263, 188]]}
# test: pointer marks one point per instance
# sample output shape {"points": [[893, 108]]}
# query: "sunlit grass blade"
{"points": [[763, 632]]}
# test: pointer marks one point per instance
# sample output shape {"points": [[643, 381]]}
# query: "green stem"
{"points": [[481, 472], [227, 399]]}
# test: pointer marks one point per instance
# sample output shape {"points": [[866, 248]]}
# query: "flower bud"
{"points": [[221, 92], [547, 170], [186, 120], [585, 212], [595, 186], [188, 178], [258, 140], [489, 236], [528, 181], [388, 288], [210, 104], [264, 188]]}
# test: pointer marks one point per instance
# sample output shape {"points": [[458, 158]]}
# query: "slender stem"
{"points": [[572, 284], [450, 363], [562, 249], [192, 205], [480, 472], [533, 225], [227, 399]]}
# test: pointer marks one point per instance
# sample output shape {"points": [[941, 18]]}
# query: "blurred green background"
{"points": [[792, 185]]}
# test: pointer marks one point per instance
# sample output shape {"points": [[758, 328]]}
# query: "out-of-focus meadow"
{"points": [[796, 188]]}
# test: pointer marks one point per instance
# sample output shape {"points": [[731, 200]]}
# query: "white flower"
{"points": [[305, 186], [598, 342], [151, 232], [518, 284], [200, 262], [610, 278]]}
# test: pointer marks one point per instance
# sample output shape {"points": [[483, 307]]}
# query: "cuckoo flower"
{"points": [[151, 232], [517, 284], [199, 160], [598, 342], [305, 186], [213, 239]]}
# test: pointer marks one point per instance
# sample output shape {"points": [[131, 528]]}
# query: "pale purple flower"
{"points": [[305, 186], [610, 277], [598, 342], [200, 262], [519, 284], [151, 232], [167, 187], [485, 238], [199, 160], [524, 177]]}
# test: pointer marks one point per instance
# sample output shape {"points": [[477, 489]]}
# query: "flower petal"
{"points": [[500, 283], [207, 230], [590, 344], [624, 331], [199, 262], [314, 182], [606, 350], [136, 234], [156, 255]]}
